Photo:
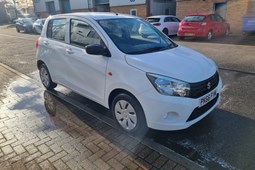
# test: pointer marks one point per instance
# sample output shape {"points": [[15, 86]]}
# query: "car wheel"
{"points": [[209, 35], [227, 32], [129, 114], [181, 38], [165, 31], [17, 29], [49, 103], [46, 78]]}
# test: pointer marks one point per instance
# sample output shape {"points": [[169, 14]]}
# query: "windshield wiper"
{"points": [[154, 49]]}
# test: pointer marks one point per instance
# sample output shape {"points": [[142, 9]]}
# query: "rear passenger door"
{"points": [[222, 25], [86, 73], [216, 25], [172, 24], [53, 46]]}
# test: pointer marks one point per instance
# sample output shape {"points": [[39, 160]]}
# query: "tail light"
{"points": [[157, 24], [203, 24], [37, 42]]}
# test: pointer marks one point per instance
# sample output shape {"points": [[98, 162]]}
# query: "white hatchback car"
{"points": [[168, 24], [146, 81]]}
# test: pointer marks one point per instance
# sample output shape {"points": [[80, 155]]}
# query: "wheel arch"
{"points": [[116, 92], [39, 63]]}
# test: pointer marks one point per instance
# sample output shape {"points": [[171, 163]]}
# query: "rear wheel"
{"points": [[181, 38], [129, 114], [209, 35], [227, 32], [165, 31], [46, 78]]}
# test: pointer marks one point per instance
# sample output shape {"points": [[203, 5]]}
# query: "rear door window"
{"points": [[153, 19], [56, 29]]}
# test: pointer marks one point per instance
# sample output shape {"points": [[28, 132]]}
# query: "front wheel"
{"points": [[17, 29], [46, 78], [129, 114]]}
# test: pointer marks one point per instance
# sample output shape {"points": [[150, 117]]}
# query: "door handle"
{"points": [[46, 42], [69, 51]]}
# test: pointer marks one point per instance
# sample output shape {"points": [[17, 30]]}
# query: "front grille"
{"points": [[201, 88], [199, 111]]}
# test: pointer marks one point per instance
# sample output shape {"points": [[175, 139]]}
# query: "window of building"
{"points": [[56, 29], [82, 34], [133, 12], [65, 6], [51, 7]]}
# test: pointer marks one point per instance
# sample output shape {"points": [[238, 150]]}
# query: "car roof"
{"points": [[200, 13], [96, 15], [161, 16]]}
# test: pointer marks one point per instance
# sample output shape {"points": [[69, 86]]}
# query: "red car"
{"points": [[203, 25]]}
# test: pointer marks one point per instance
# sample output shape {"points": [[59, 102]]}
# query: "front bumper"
{"points": [[173, 113]]}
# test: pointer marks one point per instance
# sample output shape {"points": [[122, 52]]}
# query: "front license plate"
{"points": [[189, 34], [208, 98]]}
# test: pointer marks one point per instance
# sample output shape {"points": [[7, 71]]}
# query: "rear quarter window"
{"points": [[56, 29]]}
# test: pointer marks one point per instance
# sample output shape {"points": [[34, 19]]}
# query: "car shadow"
{"points": [[222, 140]]}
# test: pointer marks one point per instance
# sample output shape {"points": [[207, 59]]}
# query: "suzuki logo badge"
{"points": [[209, 85]]}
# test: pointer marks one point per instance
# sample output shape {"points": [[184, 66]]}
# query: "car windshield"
{"points": [[198, 18], [135, 36], [153, 19]]}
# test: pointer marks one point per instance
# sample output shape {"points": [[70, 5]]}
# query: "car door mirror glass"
{"points": [[97, 49]]}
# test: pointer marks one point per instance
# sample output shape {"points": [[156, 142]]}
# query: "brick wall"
{"points": [[235, 10], [186, 7], [141, 10]]}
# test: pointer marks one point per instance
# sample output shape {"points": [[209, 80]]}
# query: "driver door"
{"points": [[86, 73]]}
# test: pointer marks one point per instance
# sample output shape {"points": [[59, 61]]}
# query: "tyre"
{"points": [[129, 114], [227, 32], [46, 78], [181, 38], [209, 35], [165, 31], [49, 103], [17, 29]]}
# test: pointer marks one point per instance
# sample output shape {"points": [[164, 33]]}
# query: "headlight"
{"points": [[169, 86]]}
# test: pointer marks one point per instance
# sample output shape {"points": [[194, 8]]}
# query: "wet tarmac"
{"points": [[223, 140]]}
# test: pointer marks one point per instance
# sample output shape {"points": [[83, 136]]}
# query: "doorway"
{"points": [[221, 9]]}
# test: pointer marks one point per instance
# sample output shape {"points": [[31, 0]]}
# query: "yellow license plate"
{"points": [[189, 34]]}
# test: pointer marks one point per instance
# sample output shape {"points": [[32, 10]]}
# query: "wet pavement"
{"points": [[40, 131]]}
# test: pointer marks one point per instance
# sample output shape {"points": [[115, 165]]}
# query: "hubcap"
{"points": [[227, 32], [125, 115], [209, 35], [44, 77]]}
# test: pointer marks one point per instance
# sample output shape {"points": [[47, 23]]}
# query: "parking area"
{"points": [[70, 138]]}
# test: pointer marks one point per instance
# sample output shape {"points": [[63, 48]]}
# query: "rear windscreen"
{"points": [[153, 19], [194, 18]]}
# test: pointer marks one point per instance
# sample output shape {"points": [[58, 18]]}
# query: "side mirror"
{"points": [[96, 49]]}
